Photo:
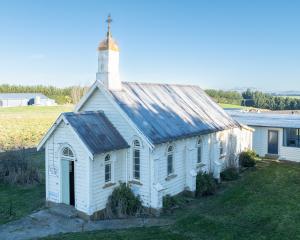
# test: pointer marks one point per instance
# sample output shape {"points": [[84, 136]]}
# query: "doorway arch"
{"points": [[67, 176]]}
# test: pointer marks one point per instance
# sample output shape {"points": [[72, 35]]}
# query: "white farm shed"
{"points": [[275, 135], [24, 99], [153, 137]]}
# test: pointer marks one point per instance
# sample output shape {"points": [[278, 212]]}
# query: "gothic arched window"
{"points": [[199, 151], [107, 169], [136, 160], [170, 165]]}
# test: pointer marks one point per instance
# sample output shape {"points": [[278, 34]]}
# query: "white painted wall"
{"points": [[108, 69], [98, 101], [101, 190], [260, 144], [185, 161], [64, 136]]}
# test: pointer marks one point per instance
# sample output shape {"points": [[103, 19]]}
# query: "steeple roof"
{"points": [[108, 43]]}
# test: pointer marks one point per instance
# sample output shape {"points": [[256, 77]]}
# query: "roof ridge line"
{"points": [[162, 84]]}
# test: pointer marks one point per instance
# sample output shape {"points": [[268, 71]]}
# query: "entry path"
{"points": [[60, 219]]}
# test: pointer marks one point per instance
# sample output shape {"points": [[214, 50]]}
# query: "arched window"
{"points": [[170, 167], [136, 160], [67, 153], [107, 170], [222, 148], [199, 151]]}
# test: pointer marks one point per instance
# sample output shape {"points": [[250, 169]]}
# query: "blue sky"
{"points": [[215, 44]]}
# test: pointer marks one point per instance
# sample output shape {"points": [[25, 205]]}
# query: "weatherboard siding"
{"points": [[185, 158], [100, 193], [61, 137], [98, 101], [260, 144]]}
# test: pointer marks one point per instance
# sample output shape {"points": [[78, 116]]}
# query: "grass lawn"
{"points": [[19, 201], [263, 204], [24, 126], [227, 105]]}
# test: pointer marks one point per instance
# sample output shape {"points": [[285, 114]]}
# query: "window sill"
{"points": [[135, 182], [107, 185], [168, 178], [200, 165]]}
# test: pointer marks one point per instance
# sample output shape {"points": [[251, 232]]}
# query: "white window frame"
{"points": [[108, 162], [222, 148], [170, 153], [136, 148], [199, 147], [68, 155]]}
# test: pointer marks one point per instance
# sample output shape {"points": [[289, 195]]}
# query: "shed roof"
{"points": [[266, 119], [21, 95], [96, 131], [166, 112]]}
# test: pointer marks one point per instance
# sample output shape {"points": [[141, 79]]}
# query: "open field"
{"points": [[227, 105], [263, 204], [24, 126]]}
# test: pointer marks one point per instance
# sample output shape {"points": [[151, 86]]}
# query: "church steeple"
{"points": [[108, 61]]}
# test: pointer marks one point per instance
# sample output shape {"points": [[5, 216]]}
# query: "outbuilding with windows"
{"points": [[275, 135]]}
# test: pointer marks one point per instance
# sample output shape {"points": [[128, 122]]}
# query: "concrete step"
{"points": [[272, 156], [63, 210]]}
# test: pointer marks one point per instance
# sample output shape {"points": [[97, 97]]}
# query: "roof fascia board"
{"points": [[49, 132], [86, 97]]}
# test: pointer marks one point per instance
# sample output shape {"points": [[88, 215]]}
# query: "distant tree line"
{"points": [[230, 97], [67, 95], [255, 99], [263, 100]]}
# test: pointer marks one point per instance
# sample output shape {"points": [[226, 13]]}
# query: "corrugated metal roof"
{"points": [[21, 95], [96, 131], [267, 120], [165, 112]]}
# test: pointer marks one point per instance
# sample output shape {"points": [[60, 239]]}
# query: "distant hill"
{"points": [[286, 93]]}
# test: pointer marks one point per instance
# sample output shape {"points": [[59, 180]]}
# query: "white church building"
{"points": [[154, 137]]}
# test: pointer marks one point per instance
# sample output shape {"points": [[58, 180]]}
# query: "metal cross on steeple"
{"points": [[109, 20]]}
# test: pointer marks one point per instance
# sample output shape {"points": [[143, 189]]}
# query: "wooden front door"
{"points": [[273, 142]]}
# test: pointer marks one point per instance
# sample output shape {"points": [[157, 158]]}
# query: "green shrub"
{"points": [[205, 184], [230, 174], [248, 158], [123, 203], [172, 202], [169, 203]]}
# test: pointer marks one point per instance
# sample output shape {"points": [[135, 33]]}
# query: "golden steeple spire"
{"points": [[109, 43]]}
